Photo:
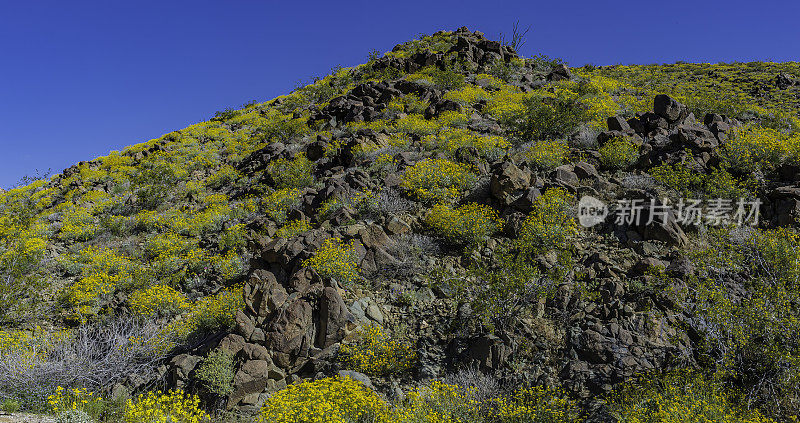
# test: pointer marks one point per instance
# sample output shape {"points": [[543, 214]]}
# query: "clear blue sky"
{"points": [[79, 79]]}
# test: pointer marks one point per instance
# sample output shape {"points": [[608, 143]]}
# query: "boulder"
{"points": [[559, 73], [506, 180], [669, 108]]}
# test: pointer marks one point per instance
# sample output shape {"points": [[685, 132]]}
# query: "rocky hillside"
{"points": [[469, 234]]}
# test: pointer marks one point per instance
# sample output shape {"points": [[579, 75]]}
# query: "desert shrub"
{"points": [[86, 293], [233, 238], [437, 402], [506, 70], [91, 357], [330, 206], [207, 314], [73, 416], [410, 104], [618, 153], [450, 140], [435, 180], [452, 119], [78, 225], [153, 182], [468, 95], [409, 252], [468, 224], [75, 399], [537, 404], [690, 184], [549, 225], [229, 265], [275, 126], [755, 146], [225, 175], [22, 253], [751, 339], [293, 228], [295, 173], [173, 406], [680, 396], [156, 300], [335, 259], [546, 154], [446, 79], [416, 124], [507, 105], [278, 203], [382, 164], [374, 352], [546, 117], [480, 387], [10, 406], [216, 372], [498, 293], [325, 400]]}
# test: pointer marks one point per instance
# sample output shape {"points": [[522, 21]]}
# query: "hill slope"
{"points": [[414, 219]]}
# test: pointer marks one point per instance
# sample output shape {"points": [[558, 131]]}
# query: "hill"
{"points": [[467, 233]]}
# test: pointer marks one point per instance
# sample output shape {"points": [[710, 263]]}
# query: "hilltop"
{"points": [[418, 224]]}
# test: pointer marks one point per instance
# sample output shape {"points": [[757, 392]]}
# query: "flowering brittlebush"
{"points": [[618, 153], [436, 180], [546, 154], [549, 226], [172, 407], [336, 260], [72, 399], [416, 124], [451, 140], [681, 396], [338, 399], [468, 224], [292, 228], [374, 352], [537, 404], [157, 300]]}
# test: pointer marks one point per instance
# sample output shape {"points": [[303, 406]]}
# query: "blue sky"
{"points": [[79, 79]]}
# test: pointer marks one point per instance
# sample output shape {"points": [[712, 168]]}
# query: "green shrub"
{"points": [[753, 146], [294, 173], [538, 404], [677, 397], [546, 154], [447, 79], [293, 228], [416, 124], [550, 225], [751, 339], [216, 373], [232, 238], [450, 140], [335, 259], [10, 406], [376, 353], [690, 184], [334, 399], [619, 153], [225, 175], [435, 180], [547, 117], [498, 293], [278, 203], [468, 224]]}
